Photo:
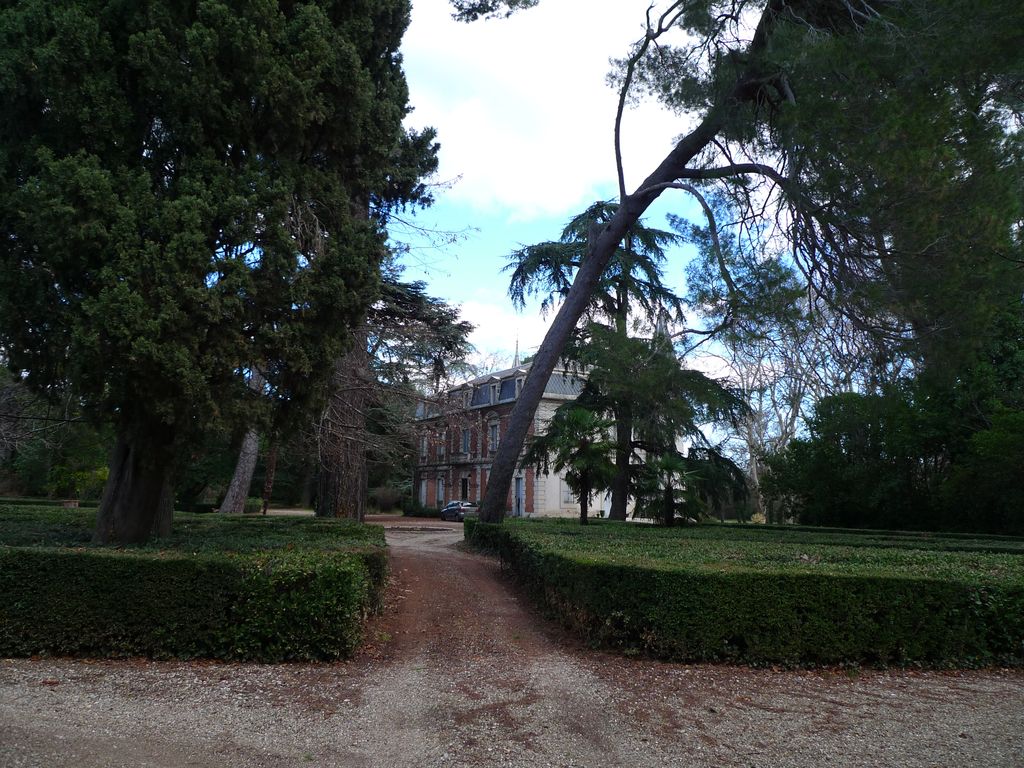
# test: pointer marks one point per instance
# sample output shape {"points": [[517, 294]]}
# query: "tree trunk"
{"points": [[238, 490], [248, 454], [623, 456], [341, 491], [668, 506], [623, 415], [138, 498], [268, 482], [599, 252], [584, 504], [308, 488]]}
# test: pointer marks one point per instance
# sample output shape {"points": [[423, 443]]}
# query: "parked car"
{"points": [[457, 510]]}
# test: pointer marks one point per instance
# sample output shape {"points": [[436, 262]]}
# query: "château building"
{"points": [[459, 435]]}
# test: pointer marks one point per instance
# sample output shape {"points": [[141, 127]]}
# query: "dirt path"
{"points": [[457, 673]]}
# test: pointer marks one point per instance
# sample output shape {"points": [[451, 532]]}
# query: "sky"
{"points": [[525, 122]]}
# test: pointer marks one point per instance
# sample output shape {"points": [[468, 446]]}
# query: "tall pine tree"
{"points": [[186, 190]]}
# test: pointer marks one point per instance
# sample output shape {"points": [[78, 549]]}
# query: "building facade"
{"points": [[459, 435]]}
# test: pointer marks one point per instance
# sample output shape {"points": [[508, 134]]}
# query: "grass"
{"points": [[771, 549], [26, 526]]}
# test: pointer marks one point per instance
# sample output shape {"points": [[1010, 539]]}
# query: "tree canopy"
{"points": [[403, 351], [578, 443], [630, 296], [186, 191], [879, 140]]}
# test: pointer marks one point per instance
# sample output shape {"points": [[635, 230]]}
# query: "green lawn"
{"points": [[777, 549], [28, 526]]}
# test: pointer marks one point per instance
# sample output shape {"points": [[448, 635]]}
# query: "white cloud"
{"points": [[499, 327], [521, 105]]}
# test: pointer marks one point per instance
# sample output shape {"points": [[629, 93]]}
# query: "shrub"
{"points": [[418, 510], [689, 596], [386, 498], [265, 589]]}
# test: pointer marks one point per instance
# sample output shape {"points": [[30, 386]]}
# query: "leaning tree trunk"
{"points": [[248, 454], [599, 251], [138, 498], [341, 491], [238, 490]]}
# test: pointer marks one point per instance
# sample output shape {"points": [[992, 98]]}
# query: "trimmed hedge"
{"points": [[667, 593], [421, 512], [263, 589], [29, 501]]}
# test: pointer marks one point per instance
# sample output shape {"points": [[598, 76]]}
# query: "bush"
{"points": [[252, 506], [264, 589], [417, 510], [985, 491], [699, 595], [386, 498]]}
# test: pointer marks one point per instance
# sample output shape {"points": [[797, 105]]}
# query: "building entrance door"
{"points": [[464, 489]]}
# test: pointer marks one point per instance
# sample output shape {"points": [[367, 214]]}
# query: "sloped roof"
{"points": [[564, 384], [561, 383]]}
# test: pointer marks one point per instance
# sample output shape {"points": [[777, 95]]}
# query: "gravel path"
{"points": [[457, 673]]}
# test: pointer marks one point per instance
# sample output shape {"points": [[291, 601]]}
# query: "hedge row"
{"points": [[260, 589], [705, 612], [37, 502], [418, 511]]}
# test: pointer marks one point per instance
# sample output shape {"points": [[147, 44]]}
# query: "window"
{"points": [[465, 441], [494, 393], [423, 492], [442, 444], [423, 447], [440, 491], [568, 497], [492, 437]]}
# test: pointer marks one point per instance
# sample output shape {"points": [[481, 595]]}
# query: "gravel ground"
{"points": [[457, 673]]}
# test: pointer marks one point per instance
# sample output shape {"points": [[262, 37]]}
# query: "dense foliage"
{"points": [[930, 452], [577, 443], [187, 191], [877, 142], [635, 378], [768, 595], [403, 350], [262, 589]]}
